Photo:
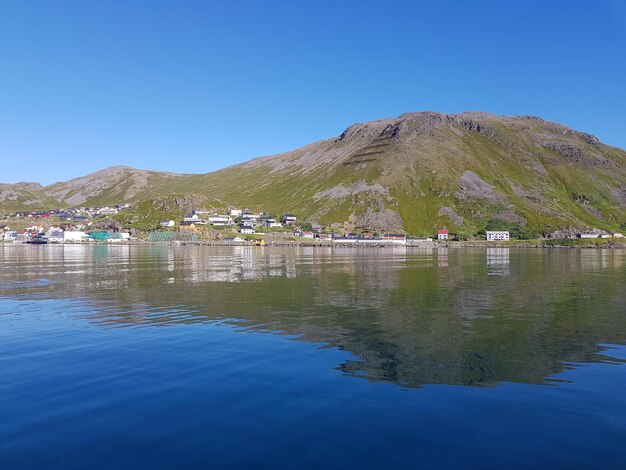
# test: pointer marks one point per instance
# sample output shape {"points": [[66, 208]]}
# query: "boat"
{"points": [[38, 240]]}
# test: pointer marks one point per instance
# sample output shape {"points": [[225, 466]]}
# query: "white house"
{"points": [[220, 220], [618, 235], [246, 229], [588, 235], [191, 218], [74, 236], [442, 234], [167, 223], [235, 212], [497, 235]]}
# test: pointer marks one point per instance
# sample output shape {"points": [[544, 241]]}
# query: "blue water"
{"points": [[89, 381]]}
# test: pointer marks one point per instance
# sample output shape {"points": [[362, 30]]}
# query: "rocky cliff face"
{"points": [[416, 172]]}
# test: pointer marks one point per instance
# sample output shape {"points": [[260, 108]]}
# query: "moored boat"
{"points": [[38, 240]]}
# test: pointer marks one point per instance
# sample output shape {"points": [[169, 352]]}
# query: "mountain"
{"points": [[109, 186], [416, 172]]}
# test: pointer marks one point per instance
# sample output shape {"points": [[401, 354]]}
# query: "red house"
{"points": [[442, 235]]}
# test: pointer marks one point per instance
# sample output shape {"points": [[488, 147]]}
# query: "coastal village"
{"points": [[232, 226]]}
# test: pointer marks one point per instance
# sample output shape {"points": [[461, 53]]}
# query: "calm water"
{"points": [[150, 357]]}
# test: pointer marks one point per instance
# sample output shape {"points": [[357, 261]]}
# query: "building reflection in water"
{"points": [[232, 264], [594, 259], [498, 261], [442, 257], [406, 320]]}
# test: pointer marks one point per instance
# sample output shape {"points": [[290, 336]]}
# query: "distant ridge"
{"points": [[415, 172]]}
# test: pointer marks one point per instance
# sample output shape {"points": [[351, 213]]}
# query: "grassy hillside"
{"points": [[417, 172]]}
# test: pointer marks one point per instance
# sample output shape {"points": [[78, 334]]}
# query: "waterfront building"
{"points": [[74, 236], [497, 235]]}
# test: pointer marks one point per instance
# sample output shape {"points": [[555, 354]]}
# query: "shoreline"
{"points": [[537, 244]]}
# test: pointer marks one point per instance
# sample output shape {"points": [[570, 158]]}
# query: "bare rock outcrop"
{"points": [[385, 220], [568, 151], [341, 191], [471, 186], [451, 213], [509, 215]]}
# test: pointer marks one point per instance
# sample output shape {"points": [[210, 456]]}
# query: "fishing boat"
{"points": [[39, 239]]}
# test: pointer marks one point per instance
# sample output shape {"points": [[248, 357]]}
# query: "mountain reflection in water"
{"points": [[410, 316]]}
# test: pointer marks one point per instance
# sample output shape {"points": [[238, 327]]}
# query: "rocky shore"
{"points": [[448, 244], [566, 243]]}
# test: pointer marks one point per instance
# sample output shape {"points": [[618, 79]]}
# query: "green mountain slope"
{"points": [[416, 172]]}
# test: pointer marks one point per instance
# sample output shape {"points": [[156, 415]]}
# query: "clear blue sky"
{"points": [[193, 86]]}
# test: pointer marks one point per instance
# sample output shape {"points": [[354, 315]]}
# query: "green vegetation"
{"points": [[468, 173], [273, 229]]}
